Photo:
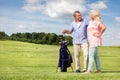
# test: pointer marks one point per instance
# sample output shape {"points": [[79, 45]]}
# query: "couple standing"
{"points": [[86, 35]]}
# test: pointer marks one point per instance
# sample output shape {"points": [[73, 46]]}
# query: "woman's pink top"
{"points": [[94, 27]]}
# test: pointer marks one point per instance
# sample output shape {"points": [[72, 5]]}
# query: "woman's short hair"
{"points": [[96, 14]]}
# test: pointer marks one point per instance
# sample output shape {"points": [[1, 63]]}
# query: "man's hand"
{"points": [[64, 31]]}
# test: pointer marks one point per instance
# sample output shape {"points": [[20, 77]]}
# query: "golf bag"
{"points": [[65, 58]]}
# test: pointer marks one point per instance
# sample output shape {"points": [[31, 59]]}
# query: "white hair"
{"points": [[96, 14]]}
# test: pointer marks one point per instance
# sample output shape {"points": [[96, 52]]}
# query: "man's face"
{"points": [[78, 16], [92, 16]]}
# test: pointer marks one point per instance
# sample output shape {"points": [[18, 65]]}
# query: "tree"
{"points": [[69, 39], [3, 35], [39, 38], [52, 37]]}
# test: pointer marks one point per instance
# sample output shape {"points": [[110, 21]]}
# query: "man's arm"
{"points": [[67, 31]]}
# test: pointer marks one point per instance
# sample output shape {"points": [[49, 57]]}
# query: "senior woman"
{"points": [[94, 31]]}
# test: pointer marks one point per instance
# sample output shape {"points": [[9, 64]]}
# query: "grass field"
{"points": [[27, 61]]}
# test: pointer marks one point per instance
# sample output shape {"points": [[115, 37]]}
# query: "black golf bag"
{"points": [[65, 58]]}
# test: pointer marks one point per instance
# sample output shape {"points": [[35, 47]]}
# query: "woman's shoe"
{"points": [[98, 71], [87, 72]]}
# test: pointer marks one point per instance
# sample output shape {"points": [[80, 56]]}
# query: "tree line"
{"points": [[34, 37]]}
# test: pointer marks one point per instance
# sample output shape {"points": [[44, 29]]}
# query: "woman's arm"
{"points": [[102, 29]]}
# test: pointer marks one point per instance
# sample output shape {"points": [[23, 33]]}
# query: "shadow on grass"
{"points": [[111, 71]]}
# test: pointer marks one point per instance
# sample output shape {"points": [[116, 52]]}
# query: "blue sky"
{"points": [[52, 16]]}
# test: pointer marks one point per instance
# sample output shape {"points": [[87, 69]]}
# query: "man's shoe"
{"points": [[78, 71], [84, 70]]}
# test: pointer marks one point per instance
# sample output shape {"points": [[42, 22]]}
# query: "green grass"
{"points": [[27, 61]]}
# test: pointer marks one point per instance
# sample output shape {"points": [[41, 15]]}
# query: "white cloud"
{"points": [[33, 5], [55, 8], [10, 25], [111, 34], [32, 1], [117, 19], [98, 5], [22, 26], [64, 7]]}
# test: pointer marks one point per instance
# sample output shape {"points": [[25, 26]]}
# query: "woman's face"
{"points": [[92, 16]]}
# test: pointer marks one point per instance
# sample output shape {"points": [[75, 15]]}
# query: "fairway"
{"points": [[28, 61]]}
